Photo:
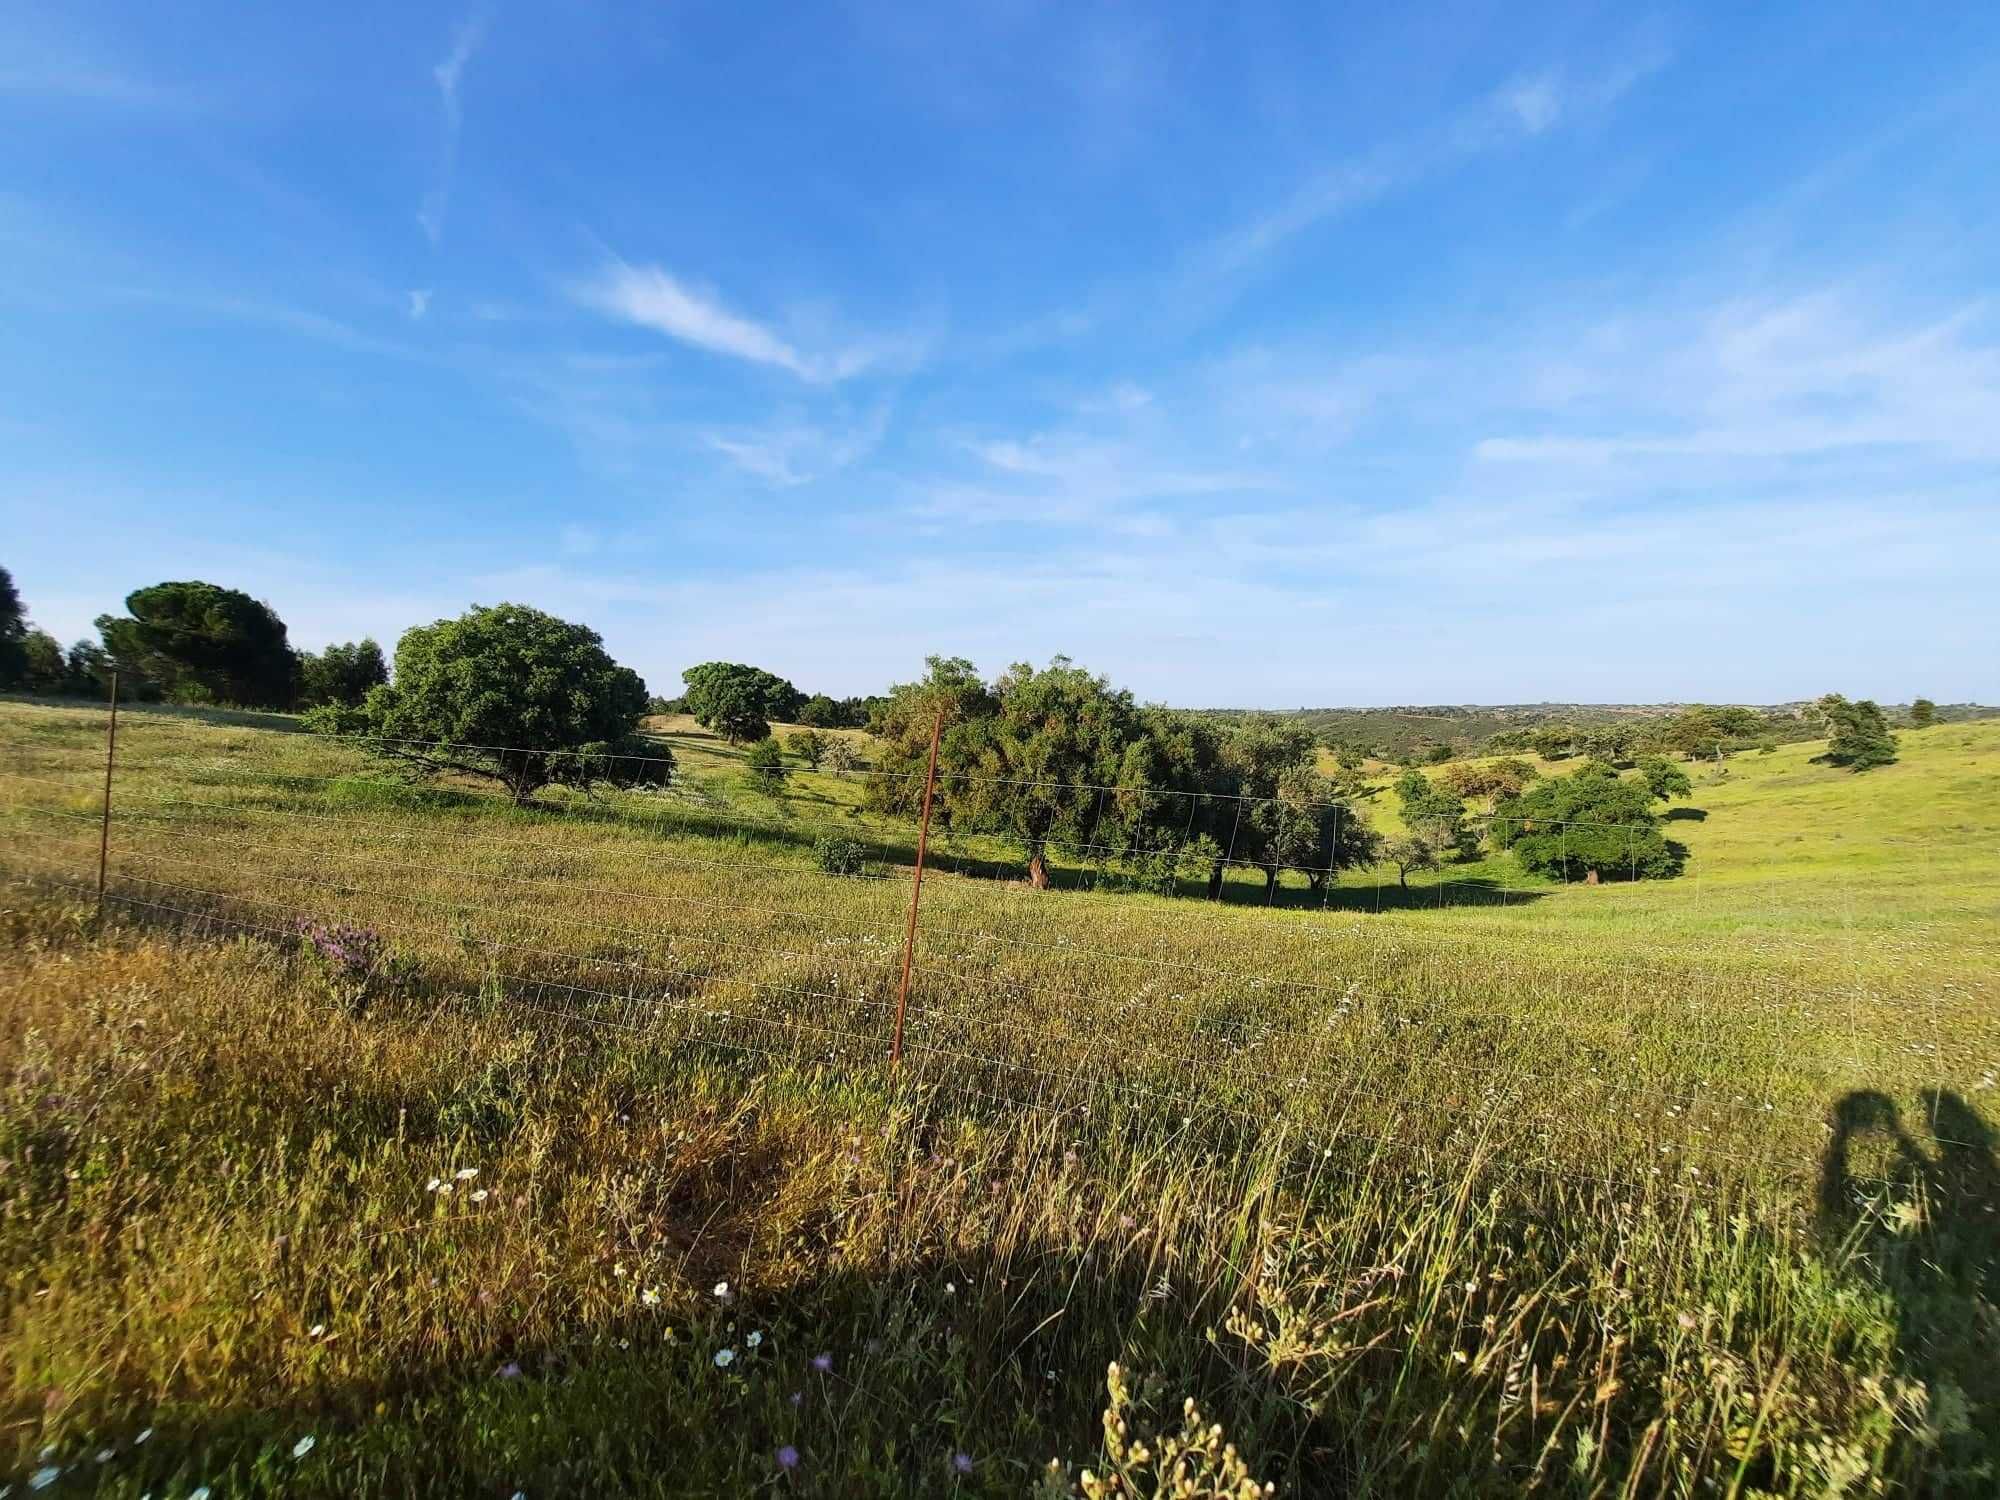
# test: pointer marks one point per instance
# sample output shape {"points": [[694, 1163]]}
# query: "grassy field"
{"points": [[1681, 1187]]}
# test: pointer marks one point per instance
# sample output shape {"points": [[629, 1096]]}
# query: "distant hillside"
{"points": [[1405, 730]]}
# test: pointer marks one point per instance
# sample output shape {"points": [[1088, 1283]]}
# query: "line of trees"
{"points": [[186, 642], [1712, 732], [1055, 757]]}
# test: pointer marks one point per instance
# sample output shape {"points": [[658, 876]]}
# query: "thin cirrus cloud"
{"points": [[653, 298], [447, 75]]}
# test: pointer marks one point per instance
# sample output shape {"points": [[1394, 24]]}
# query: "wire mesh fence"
{"points": [[655, 911]]}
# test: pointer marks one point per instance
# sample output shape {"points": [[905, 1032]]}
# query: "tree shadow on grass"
{"points": [[1383, 895], [1922, 1219], [226, 718], [1685, 815]]}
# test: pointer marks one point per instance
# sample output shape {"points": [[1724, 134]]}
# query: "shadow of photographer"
{"points": [[1924, 1224]]}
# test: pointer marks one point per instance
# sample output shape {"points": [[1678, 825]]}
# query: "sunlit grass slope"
{"points": [[1624, 1189]]}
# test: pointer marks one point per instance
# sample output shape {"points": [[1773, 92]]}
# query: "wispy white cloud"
{"points": [[654, 298], [1802, 377], [799, 452], [1535, 103], [448, 75], [1527, 106], [419, 303], [61, 64]]}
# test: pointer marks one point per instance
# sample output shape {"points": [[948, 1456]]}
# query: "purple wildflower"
{"points": [[961, 1463], [823, 1363], [788, 1457]]}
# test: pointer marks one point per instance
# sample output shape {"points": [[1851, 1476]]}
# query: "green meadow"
{"points": [[386, 1139]]}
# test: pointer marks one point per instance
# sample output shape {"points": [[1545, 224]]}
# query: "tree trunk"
{"points": [[1038, 870], [1270, 885], [1403, 876], [1215, 881], [1590, 875]]}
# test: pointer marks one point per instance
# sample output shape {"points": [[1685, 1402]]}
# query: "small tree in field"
{"points": [[841, 756], [1857, 733], [1584, 825], [510, 694], [1490, 780], [1435, 815], [729, 698], [734, 708], [1411, 852], [767, 764], [1663, 778], [1923, 714], [809, 745]]}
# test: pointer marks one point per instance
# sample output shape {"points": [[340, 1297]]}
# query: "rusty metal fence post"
{"points": [[104, 826], [916, 890]]}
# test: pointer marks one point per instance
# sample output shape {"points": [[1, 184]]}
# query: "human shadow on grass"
{"points": [[1922, 1221]]}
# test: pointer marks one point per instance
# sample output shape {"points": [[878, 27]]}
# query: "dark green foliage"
{"points": [[767, 763], [1490, 780], [820, 712], [511, 694], [1663, 778], [734, 713], [1858, 734], [1411, 852], [1291, 817], [1435, 813], [1923, 714], [1588, 824], [837, 855], [44, 670], [738, 702], [1609, 742], [809, 745], [13, 634], [1706, 732], [1058, 756], [204, 644], [341, 674], [1554, 742]]}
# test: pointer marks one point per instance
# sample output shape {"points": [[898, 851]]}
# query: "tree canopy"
{"points": [[13, 634], [1858, 734], [1490, 779], [511, 694], [204, 644], [1923, 713], [341, 674], [1056, 756], [1663, 778], [1588, 824], [738, 702]]}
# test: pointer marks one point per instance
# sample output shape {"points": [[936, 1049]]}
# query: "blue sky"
{"points": [[1251, 354]]}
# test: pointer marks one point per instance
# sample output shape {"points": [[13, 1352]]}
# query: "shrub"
{"points": [[767, 763], [839, 855]]}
